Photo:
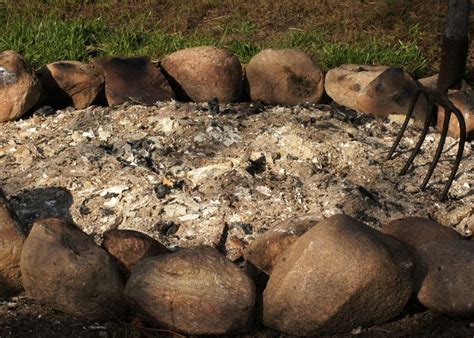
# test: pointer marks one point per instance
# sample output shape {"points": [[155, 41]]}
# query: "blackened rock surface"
{"points": [[134, 79], [391, 93], [69, 83]]}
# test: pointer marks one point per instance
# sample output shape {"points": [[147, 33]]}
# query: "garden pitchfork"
{"points": [[453, 62]]}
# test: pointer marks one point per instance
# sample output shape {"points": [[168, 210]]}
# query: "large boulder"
{"points": [[128, 247], [339, 275], [265, 251], [463, 100], [203, 73], [63, 267], [19, 86], [134, 79], [195, 291], [391, 93], [12, 237], [284, 76], [445, 276], [69, 83], [416, 231], [345, 82]]}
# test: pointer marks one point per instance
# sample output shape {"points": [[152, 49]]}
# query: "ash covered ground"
{"points": [[181, 174], [188, 176]]}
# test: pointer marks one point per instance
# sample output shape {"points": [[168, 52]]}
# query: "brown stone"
{"points": [[134, 79], [196, 291], [344, 83], [466, 227], [12, 237], [284, 76], [339, 275], [19, 87], [445, 273], [464, 101], [431, 82], [63, 267], [203, 73], [391, 93], [416, 231], [69, 83], [264, 251], [128, 247]]}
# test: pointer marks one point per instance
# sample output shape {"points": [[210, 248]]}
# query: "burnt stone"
{"points": [[134, 79], [69, 83]]}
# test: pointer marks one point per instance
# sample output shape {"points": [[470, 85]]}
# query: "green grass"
{"points": [[44, 39], [406, 55]]}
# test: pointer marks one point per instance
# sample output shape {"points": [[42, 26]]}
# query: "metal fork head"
{"points": [[434, 99]]}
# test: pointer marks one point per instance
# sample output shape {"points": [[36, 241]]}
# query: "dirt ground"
{"points": [[186, 176], [20, 317]]}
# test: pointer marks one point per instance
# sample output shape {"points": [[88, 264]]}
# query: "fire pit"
{"points": [[178, 172]]}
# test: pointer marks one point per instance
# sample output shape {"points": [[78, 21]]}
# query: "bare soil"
{"points": [[20, 317], [186, 177]]}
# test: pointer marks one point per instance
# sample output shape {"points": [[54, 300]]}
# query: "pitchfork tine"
{"points": [[405, 123], [426, 127], [434, 99], [462, 141], [439, 150]]}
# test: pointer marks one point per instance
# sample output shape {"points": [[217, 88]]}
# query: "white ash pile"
{"points": [[180, 174]]}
